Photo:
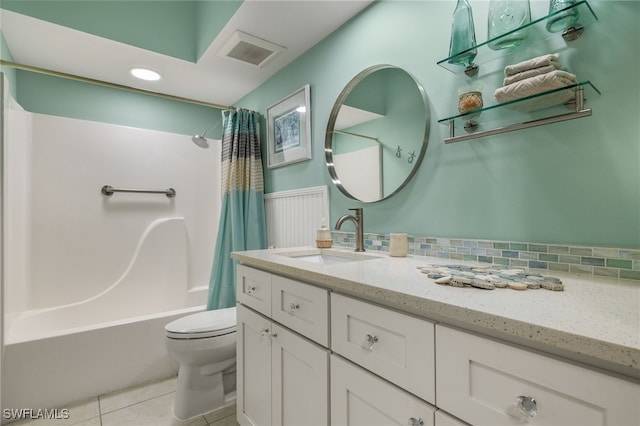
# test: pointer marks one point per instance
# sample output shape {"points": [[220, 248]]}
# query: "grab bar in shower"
{"points": [[108, 190]]}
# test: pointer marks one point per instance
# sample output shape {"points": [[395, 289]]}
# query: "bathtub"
{"points": [[59, 355], [84, 362], [90, 280]]}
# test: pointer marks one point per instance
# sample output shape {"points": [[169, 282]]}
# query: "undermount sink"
{"points": [[327, 256]]}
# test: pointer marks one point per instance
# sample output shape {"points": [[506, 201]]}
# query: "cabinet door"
{"points": [[300, 380], [359, 398], [253, 388], [481, 380], [444, 419], [253, 289]]}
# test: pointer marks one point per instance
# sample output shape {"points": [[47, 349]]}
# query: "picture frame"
{"points": [[289, 129]]}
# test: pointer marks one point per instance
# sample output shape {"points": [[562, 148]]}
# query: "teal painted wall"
{"points": [[180, 28], [573, 182], [67, 98], [173, 31], [211, 17], [10, 73]]}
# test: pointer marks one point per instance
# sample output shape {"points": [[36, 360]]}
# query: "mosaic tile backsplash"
{"points": [[598, 261]]}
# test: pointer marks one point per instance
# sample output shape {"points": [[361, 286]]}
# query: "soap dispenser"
{"points": [[323, 237]]}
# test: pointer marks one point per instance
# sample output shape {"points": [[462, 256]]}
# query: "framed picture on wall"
{"points": [[289, 129]]}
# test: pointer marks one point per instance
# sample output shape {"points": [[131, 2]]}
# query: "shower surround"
{"points": [[91, 280]]}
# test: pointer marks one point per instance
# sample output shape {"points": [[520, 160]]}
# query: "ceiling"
{"points": [[180, 39]]}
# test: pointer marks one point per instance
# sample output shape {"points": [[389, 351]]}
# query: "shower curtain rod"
{"points": [[112, 85]]}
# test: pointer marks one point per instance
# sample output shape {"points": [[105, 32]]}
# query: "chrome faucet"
{"points": [[357, 220]]}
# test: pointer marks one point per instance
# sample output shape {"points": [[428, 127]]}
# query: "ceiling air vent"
{"points": [[249, 49]]}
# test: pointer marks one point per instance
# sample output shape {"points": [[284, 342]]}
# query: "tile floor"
{"points": [[150, 404]]}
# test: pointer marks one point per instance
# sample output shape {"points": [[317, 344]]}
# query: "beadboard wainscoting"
{"points": [[294, 216]]}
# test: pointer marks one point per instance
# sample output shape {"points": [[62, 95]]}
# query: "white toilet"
{"points": [[204, 345]]}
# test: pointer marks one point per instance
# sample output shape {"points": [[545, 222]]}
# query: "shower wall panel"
{"points": [[82, 241], [17, 204]]}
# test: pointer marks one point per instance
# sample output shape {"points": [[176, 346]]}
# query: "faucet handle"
{"points": [[357, 209]]}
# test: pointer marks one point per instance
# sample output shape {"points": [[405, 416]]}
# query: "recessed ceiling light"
{"points": [[145, 74]]}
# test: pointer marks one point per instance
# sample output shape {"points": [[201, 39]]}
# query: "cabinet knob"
{"points": [[293, 307], [370, 340], [415, 422], [527, 406], [265, 332], [251, 289]]}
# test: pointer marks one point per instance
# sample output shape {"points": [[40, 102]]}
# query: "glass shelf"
{"points": [[537, 33], [542, 108]]}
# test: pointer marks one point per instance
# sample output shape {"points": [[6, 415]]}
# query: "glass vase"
{"points": [[463, 36], [562, 20], [505, 16]]}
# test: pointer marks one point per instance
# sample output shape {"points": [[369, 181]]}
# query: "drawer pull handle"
{"points": [[527, 406], [370, 341], [251, 289], [416, 422], [293, 307]]}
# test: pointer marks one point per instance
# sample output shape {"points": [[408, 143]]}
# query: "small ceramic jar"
{"points": [[323, 237]]}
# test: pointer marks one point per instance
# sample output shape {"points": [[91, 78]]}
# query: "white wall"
{"points": [[15, 124], [77, 242], [17, 208]]}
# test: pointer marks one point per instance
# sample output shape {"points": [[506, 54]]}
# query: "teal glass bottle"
{"points": [[560, 21], [504, 18], [462, 49]]}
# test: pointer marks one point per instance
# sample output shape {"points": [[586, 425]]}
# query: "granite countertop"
{"points": [[594, 320]]}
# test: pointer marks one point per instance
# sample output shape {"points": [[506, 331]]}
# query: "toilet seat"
{"points": [[203, 324]]}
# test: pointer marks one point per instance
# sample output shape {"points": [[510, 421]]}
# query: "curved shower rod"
{"points": [[112, 85]]}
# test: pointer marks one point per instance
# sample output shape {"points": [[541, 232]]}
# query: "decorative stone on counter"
{"points": [[490, 277]]}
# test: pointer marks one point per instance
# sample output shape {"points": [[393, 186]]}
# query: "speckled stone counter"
{"points": [[594, 320]]}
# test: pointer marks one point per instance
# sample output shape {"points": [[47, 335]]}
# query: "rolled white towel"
{"points": [[534, 85], [530, 73], [540, 61]]}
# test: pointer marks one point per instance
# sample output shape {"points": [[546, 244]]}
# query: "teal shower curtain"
{"points": [[242, 218]]}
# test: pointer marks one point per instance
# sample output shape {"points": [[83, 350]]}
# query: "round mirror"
{"points": [[377, 133]]}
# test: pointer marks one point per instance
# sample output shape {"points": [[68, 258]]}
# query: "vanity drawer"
{"points": [[361, 398], [301, 307], [479, 381], [396, 346], [253, 289], [441, 418]]}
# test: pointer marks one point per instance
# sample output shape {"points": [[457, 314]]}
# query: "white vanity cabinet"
{"points": [[442, 418], [389, 345], [396, 346], [361, 398], [308, 355], [483, 381], [282, 378]]}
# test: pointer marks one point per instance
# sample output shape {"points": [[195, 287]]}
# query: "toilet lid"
{"points": [[203, 324]]}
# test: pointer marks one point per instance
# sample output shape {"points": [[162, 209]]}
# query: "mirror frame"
{"points": [[328, 149]]}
